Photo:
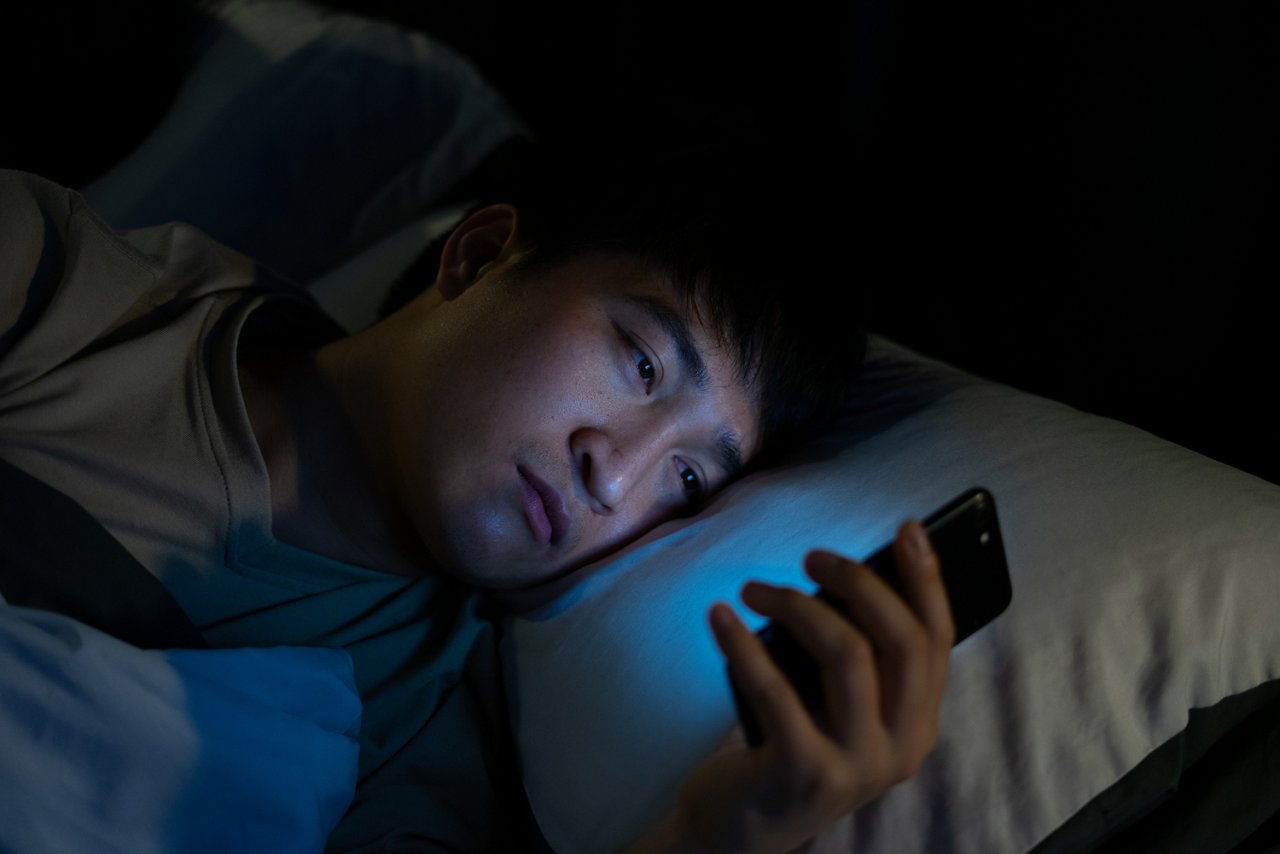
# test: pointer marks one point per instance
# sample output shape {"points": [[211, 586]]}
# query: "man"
{"points": [[592, 359]]}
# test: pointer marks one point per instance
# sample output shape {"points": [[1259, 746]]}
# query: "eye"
{"points": [[644, 366], [689, 481]]}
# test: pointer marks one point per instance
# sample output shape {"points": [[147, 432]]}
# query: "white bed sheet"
{"points": [[111, 748]]}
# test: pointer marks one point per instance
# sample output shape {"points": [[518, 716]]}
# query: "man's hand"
{"points": [[883, 676]]}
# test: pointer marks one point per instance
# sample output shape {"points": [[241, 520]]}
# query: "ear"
{"points": [[485, 236]]}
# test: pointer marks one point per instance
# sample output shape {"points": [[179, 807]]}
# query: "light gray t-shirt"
{"points": [[118, 386]]}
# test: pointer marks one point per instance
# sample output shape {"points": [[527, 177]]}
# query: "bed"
{"points": [[1128, 699]]}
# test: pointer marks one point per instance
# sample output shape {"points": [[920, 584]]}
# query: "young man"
{"points": [[590, 361]]}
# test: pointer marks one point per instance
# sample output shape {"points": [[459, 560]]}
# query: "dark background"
{"points": [[1078, 199]]}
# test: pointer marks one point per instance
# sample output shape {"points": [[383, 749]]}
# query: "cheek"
{"points": [[558, 378], [639, 517]]}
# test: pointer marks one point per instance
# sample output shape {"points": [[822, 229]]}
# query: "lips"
{"points": [[544, 508]]}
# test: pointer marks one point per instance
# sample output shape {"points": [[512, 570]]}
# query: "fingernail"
{"points": [[919, 540], [822, 565], [755, 591], [721, 616]]}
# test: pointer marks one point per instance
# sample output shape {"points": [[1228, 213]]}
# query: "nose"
{"points": [[613, 461]]}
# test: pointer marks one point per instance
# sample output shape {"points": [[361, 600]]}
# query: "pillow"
{"points": [[302, 136], [1144, 586]]}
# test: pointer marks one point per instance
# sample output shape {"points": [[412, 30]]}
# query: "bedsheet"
{"points": [[109, 747]]}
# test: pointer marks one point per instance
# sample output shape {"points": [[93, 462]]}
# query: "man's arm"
{"points": [[883, 676]]}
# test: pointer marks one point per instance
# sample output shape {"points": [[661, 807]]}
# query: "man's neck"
{"points": [[325, 496]]}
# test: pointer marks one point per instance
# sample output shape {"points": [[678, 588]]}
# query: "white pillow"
{"points": [[1144, 585], [302, 136]]}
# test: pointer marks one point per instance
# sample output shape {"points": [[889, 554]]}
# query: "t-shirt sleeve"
{"points": [[66, 278], [33, 219]]}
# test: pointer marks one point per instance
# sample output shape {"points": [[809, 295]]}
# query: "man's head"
{"points": [[606, 352]]}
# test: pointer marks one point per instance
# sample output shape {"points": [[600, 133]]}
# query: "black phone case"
{"points": [[965, 534]]}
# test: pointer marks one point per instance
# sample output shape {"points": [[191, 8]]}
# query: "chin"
{"points": [[490, 571], [495, 553]]}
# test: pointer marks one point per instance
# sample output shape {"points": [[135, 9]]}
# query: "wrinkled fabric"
{"points": [[106, 747]]}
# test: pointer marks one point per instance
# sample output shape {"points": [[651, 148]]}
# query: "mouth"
{"points": [[544, 508]]}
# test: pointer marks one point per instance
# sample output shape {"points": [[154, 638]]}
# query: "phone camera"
{"points": [[981, 512]]}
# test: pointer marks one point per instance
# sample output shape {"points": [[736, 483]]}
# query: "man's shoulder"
{"points": [[69, 280], [17, 183], [30, 206]]}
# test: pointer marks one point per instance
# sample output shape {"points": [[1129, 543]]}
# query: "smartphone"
{"points": [[965, 534]]}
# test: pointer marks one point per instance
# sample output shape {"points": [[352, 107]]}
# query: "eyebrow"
{"points": [[729, 449], [693, 366], [676, 327]]}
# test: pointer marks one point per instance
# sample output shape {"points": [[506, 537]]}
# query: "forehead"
{"points": [[704, 352], [625, 281]]}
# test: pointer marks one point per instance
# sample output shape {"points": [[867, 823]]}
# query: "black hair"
{"points": [[763, 245]]}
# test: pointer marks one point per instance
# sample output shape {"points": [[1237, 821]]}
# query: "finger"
{"points": [[921, 574], [898, 639], [778, 709], [915, 722], [845, 657]]}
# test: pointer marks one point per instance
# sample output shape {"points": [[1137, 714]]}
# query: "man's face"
{"points": [[541, 421]]}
